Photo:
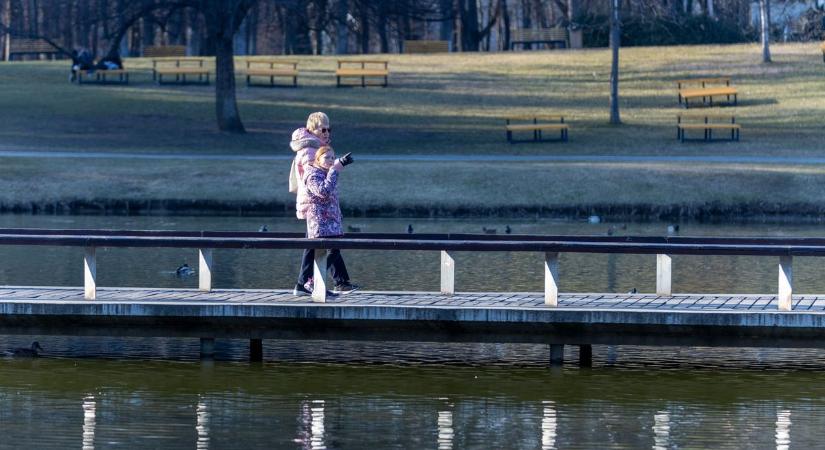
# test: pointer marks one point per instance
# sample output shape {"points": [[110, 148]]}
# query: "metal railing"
{"points": [[551, 246]]}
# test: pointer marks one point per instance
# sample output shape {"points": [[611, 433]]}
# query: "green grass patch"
{"points": [[435, 104]]}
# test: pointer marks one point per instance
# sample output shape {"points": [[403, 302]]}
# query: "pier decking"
{"points": [[549, 317], [637, 319]]}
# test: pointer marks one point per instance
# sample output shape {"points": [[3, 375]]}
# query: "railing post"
{"points": [[89, 273], [319, 269], [785, 294], [551, 278], [663, 275], [447, 273], [205, 269]]}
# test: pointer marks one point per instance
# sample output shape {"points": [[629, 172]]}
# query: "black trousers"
{"points": [[335, 264]]}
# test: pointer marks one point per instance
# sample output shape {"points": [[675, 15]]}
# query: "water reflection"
{"points": [[311, 420], [548, 425], [661, 430], [446, 433], [783, 429], [202, 426], [89, 410]]}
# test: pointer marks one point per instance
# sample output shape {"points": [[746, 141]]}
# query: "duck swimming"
{"points": [[23, 352], [184, 271]]}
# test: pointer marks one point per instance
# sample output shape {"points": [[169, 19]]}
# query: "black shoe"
{"points": [[301, 291], [345, 288]]}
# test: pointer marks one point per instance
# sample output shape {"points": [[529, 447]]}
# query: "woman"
{"points": [[323, 213], [305, 142]]}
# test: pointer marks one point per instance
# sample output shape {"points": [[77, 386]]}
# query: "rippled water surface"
{"points": [[154, 393]]}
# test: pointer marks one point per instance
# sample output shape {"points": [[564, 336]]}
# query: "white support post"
{"points": [[447, 273], [319, 280], [551, 278], [205, 269], [89, 273], [785, 295], [663, 275]]}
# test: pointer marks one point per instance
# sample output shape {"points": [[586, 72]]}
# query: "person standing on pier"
{"points": [[305, 142], [323, 214]]}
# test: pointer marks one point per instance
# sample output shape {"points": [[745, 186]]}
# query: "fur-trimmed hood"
{"points": [[303, 138]]}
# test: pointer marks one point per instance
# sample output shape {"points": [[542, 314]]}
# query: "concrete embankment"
{"points": [[706, 212]]}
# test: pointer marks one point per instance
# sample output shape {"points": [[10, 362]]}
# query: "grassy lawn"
{"points": [[436, 104]]}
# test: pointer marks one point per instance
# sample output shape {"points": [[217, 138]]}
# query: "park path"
{"points": [[710, 159]]}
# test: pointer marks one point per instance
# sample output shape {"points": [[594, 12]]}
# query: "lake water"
{"points": [[155, 393]]}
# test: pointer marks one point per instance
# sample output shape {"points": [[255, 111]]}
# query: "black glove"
{"points": [[346, 159]]}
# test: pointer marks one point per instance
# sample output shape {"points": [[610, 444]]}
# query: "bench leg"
{"points": [[248, 81], [509, 136], [386, 81], [337, 81], [294, 81]]}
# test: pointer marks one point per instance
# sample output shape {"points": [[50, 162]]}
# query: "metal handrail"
{"points": [[551, 246]]}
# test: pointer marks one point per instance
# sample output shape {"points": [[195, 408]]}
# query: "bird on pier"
{"points": [[23, 352], [184, 270], [507, 229], [263, 228], [632, 291], [611, 230], [488, 230], [672, 229], [409, 229]]}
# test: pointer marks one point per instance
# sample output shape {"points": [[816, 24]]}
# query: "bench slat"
{"points": [[537, 126]]}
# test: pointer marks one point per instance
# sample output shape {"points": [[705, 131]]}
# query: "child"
{"points": [[323, 213]]}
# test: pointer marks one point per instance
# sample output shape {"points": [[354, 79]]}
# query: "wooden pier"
{"points": [[549, 317]]}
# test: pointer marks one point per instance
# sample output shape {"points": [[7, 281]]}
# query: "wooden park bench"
{"points": [[35, 47], [100, 76], [367, 69], [708, 88], [426, 46], [164, 51], [180, 68], [550, 36], [707, 123], [271, 68], [536, 123]]}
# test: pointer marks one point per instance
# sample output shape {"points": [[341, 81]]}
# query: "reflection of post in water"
{"points": [[783, 429], [445, 426], [548, 425], [661, 430], [89, 413], [311, 420], [202, 426]]}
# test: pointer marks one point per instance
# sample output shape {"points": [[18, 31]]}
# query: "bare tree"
{"points": [[615, 37], [765, 24]]}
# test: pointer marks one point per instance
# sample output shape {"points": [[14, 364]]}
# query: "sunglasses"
{"points": [[326, 130]]}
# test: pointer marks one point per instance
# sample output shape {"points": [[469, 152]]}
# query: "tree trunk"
{"points": [[505, 15], [365, 30], [469, 25], [445, 32], [711, 12], [342, 27], [381, 29], [765, 22], [615, 36], [223, 18], [226, 105], [7, 24]]}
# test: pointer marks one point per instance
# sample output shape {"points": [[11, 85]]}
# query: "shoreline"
{"points": [[755, 212]]}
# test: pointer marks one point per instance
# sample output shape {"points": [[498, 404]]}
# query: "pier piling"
{"points": [[256, 350]]}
